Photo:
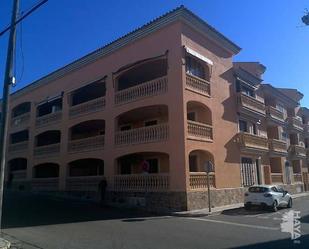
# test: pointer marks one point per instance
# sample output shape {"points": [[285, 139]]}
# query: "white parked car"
{"points": [[265, 196]]}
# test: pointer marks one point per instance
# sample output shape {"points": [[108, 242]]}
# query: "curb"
{"points": [[219, 210], [4, 244]]}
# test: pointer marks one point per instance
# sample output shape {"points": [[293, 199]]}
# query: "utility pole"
{"points": [[8, 80]]}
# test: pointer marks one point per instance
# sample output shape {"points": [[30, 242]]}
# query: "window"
{"points": [[284, 136], [193, 163], [244, 89], [274, 189], [20, 136], [153, 165], [191, 116], [280, 108], [151, 122], [194, 67], [243, 126], [258, 189]]}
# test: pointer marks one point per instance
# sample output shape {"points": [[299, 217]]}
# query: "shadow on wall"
{"points": [[27, 210], [233, 150]]}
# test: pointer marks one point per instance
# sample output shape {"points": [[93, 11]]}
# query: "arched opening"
{"points": [[142, 117], [143, 162], [145, 124], [19, 137], [197, 160], [199, 112], [89, 92], [46, 170], [90, 128], [21, 109], [197, 68], [48, 138], [17, 164], [86, 167], [50, 106], [141, 72]]}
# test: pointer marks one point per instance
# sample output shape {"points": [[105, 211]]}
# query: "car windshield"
{"points": [[258, 189]]}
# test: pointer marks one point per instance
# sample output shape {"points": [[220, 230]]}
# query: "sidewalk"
{"points": [[218, 210]]}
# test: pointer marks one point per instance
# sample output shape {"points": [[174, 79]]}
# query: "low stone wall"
{"points": [[293, 188], [218, 197], [150, 201]]}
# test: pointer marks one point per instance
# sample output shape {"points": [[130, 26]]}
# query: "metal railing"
{"points": [[297, 177]]}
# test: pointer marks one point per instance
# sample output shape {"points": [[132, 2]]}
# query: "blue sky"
{"points": [[63, 30]]}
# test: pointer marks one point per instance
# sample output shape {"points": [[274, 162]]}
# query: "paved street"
{"points": [[40, 222]]}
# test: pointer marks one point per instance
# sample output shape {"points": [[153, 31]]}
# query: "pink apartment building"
{"points": [[146, 112]]}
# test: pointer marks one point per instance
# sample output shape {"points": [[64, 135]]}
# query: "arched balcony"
{"points": [[142, 79], [45, 177], [199, 122], [85, 175], [88, 99], [144, 171], [21, 114], [198, 177], [47, 143], [85, 136], [197, 75], [17, 168], [142, 125], [19, 141], [49, 111]]}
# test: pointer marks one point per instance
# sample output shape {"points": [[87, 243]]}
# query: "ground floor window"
{"points": [[248, 171]]}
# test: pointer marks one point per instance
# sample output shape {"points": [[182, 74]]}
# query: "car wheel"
{"points": [[290, 203], [247, 207], [275, 206]]}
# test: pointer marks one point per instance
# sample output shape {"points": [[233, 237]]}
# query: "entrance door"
{"points": [[248, 171]]}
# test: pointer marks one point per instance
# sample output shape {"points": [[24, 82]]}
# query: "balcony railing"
{"points": [[197, 85], [85, 183], [250, 103], [19, 174], [150, 182], [198, 180], [48, 119], [297, 151], [251, 141], [277, 146], [146, 89], [295, 123], [200, 131], [274, 113], [17, 147], [47, 150], [84, 144], [20, 120], [147, 134], [276, 177], [297, 177], [87, 107], [45, 184]]}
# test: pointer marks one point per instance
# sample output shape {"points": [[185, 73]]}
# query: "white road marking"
{"points": [[236, 224]]}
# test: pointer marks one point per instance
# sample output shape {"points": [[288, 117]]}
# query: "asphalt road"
{"points": [[40, 222]]}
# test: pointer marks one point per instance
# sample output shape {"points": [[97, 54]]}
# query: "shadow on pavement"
{"points": [[280, 244], [25, 210]]}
